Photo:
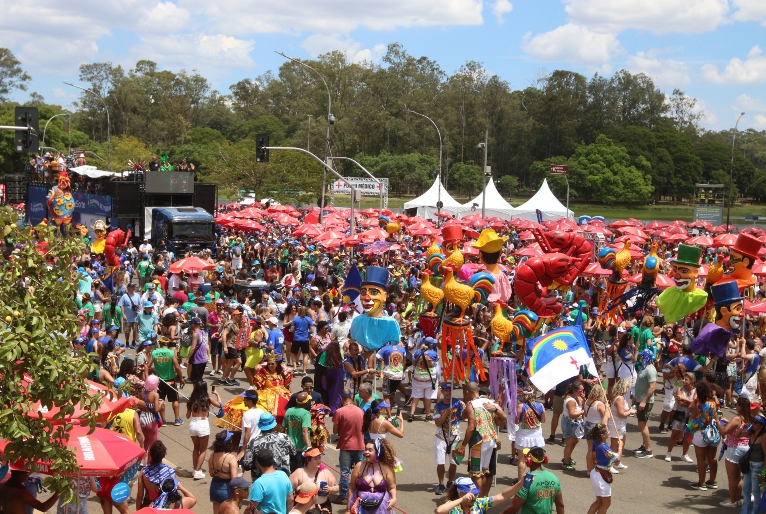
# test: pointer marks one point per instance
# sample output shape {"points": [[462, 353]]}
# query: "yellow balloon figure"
{"points": [[99, 228]]}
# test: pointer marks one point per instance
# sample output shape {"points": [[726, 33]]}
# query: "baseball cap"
{"points": [[273, 320], [95, 322], [148, 342], [313, 452], [445, 385], [148, 304], [239, 483], [112, 327], [310, 276], [152, 285], [673, 348], [251, 394], [306, 492], [465, 485], [201, 300], [195, 321]]}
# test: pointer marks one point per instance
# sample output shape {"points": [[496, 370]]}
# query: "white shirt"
{"points": [[145, 248], [250, 420], [173, 282]]}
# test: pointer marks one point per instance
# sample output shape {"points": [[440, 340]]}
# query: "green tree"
{"points": [[507, 185], [38, 311], [466, 179], [12, 76]]}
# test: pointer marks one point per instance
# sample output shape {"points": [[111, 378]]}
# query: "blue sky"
{"points": [[711, 49]]}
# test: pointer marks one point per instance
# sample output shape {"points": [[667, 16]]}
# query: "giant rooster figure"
{"points": [[617, 261], [60, 201]]}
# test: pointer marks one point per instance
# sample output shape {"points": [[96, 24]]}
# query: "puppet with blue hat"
{"points": [[372, 329], [713, 338]]}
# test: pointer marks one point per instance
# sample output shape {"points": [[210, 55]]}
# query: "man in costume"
{"points": [[490, 246], [683, 299], [742, 257], [372, 329], [713, 338]]}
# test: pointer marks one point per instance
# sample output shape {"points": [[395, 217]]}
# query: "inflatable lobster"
{"points": [[114, 239]]}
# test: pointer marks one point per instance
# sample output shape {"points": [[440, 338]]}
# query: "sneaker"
{"points": [[740, 502], [620, 466], [179, 422], [408, 402], [429, 418], [727, 503], [198, 475], [613, 470], [440, 490], [663, 430], [219, 372], [514, 461], [699, 487], [686, 458], [640, 449], [645, 455], [570, 465], [212, 373], [223, 381], [668, 457], [711, 485], [233, 382], [182, 366], [551, 439], [449, 484]]}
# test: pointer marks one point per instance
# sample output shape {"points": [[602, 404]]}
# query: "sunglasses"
{"points": [[308, 387]]}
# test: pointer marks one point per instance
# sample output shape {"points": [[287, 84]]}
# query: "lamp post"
{"points": [[70, 126], [731, 175], [308, 135], [330, 121], [439, 191], [380, 182], [327, 167], [484, 173], [108, 125]]}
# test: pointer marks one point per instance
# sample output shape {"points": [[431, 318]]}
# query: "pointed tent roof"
{"points": [[545, 202], [426, 203], [495, 204]]}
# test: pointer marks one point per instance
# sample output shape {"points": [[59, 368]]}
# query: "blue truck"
{"points": [[182, 228]]}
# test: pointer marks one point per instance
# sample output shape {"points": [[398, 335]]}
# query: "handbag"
{"points": [[605, 474], [579, 429], [711, 435], [679, 415], [744, 461], [370, 504]]}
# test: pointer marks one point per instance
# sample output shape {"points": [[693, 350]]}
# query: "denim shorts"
{"points": [[219, 490], [735, 453], [568, 427]]}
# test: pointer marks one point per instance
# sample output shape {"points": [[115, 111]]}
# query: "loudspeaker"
{"points": [[206, 196], [16, 187], [126, 199]]}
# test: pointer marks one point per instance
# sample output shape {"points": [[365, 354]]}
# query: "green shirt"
{"points": [[163, 364], [644, 336], [541, 495], [112, 318], [296, 419], [144, 269], [646, 377]]}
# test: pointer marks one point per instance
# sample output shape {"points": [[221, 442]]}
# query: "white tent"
{"points": [[546, 203], [495, 204], [426, 203]]}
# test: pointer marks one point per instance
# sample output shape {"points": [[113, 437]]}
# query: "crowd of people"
{"points": [[157, 331]]}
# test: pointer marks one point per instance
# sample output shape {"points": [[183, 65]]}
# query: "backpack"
{"points": [[711, 435]]}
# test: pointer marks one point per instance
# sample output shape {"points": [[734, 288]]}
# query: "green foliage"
{"points": [[407, 174], [126, 148], [37, 312], [466, 179], [12, 76], [507, 185]]}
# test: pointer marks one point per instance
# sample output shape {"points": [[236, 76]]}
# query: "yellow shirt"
{"points": [[123, 424]]}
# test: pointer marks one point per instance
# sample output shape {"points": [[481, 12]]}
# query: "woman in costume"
{"points": [[272, 380]]}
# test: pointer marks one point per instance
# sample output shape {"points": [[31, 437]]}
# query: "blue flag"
{"points": [[352, 288]]}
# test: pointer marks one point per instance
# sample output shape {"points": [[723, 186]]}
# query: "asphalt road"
{"points": [[649, 485]]}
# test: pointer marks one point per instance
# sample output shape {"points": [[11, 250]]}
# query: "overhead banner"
{"points": [[368, 186], [97, 205]]}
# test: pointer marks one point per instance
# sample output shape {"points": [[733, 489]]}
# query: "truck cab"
{"points": [[182, 228]]}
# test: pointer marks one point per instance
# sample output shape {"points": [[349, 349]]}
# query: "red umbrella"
{"points": [[375, 233], [526, 236], [633, 239], [594, 269], [621, 224], [703, 271], [676, 229], [662, 234], [469, 232], [598, 229], [529, 251], [426, 231], [634, 231], [725, 240], [701, 241], [190, 265], [759, 268], [112, 403], [655, 225], [755, 308], [444, 214], [286, 220], [101, 454], [662, 281], [678, 223], [331, 234], [307, 229], [248, 226], [470, 250], [676, 238]]}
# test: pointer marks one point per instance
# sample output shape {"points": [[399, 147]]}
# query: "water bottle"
{"points": [[239, 470]]}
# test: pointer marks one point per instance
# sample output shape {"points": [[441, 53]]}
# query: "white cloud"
{"points": [[572, 43], [323, 43], [754, 109], [333, 16], [196, 51], [750, 71], [500, 9], [658, 16], [163, 18], [57, 56], [750, 10], [665, 72]]}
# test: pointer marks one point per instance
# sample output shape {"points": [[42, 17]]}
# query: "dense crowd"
{"points": [[264, 309]]}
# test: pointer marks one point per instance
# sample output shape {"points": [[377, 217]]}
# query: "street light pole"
{"points": [[108, 125], [330, 121], [327, 167], [56, 116], [308, 136], [485, 144], [380, 182], [439, 191], [731, 175]]}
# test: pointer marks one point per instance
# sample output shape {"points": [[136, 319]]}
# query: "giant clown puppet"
{"points": [[713, 338], [372, 329], [683, 299]]}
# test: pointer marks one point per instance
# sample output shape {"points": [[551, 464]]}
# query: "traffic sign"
{"points": [[559, 169]]}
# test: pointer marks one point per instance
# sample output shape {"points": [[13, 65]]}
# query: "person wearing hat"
{"points": [[713, 339], [130, 304], [311, 476], [449, 412], [229, 336], [148, 323], [683, 299], [144, 269], [464, 496], [166, 366], [372, 329], [297, 423], [490, 247], [250, 419], [272, 439], [543, 493], [276, 341], [240, 489]]}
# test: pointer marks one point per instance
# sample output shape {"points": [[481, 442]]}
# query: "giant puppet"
{"points": [[713, 338], [490, 246], [60, 201], [742, 256], [372, 329], [683, 299]]}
